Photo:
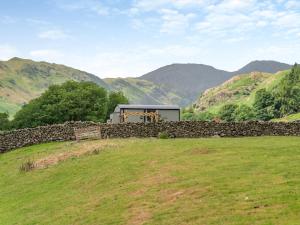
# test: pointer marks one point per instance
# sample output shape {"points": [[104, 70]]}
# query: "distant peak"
{"points": [[15, 59]]}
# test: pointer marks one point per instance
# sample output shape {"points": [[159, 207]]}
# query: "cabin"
{"points": [[144, 113]]}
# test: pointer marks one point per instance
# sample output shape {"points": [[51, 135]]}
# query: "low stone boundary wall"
{"points": [[64, 132]]}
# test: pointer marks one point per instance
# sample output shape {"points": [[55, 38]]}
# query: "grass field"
{"points": [[150, 181]]}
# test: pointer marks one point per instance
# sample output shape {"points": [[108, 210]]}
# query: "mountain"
{"points": [[240, 89], [22, 80], [145, 92], [190, 80], [263, 66]]}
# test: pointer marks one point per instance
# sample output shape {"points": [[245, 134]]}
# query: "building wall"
{"points": [[135, 119], [115, 117], [165, 115], [169, 115]]}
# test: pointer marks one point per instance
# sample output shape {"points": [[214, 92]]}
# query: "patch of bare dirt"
{"points": [[139, 216], [169, 196], [84, 148]]}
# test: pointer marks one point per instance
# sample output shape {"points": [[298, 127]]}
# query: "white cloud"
{"points": [[55, 34], [7, 52], [149, 5], [292, 4], [175, 22], [85, 5]]}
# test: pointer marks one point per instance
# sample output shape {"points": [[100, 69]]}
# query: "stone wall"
{"points": [[64, 132]]}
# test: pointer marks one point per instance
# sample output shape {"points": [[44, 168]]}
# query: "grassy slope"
{"points": [[145, 92], [182, 181], [289, 118], [240, 89], [21, 80]]}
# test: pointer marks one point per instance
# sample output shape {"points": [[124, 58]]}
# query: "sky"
{"points": [[121, 38]]}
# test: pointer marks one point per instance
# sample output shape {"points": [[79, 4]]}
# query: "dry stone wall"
{"points": [[192, 129]]}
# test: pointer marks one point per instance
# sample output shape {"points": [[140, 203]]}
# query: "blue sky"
{"points": [[119, 38]]}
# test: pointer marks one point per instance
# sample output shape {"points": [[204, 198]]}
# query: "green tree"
{"points": [[4, 121], [287, 93], [114, 99], [264, 105], [227, 112], [71, 101], [244, 113]]}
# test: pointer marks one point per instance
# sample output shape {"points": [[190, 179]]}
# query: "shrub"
{"points": [[226, 113], [163, 135]]}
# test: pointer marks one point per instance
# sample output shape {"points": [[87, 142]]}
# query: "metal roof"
{"points": [[121, 106]]}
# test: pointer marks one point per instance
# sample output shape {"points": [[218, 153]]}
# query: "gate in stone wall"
{"points": [[88, 133]]}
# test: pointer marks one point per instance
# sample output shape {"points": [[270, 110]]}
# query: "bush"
{"points": [[163, 135], [4, 122], [244, 113], [226, 113]]}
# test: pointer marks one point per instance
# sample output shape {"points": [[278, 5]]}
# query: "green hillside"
{"points": [[145, 92], [149, 181], [240, 89], [22, 80]]}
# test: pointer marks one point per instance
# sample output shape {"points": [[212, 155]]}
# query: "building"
{"points": [[144, 113]]}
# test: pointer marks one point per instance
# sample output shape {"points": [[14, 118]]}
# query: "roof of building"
{"points": [[122, 106]]}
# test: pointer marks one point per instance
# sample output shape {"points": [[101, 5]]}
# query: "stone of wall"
{"points": [[64, 132]]}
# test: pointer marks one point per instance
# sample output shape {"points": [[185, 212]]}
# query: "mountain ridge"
{"points": [[24, 79]]}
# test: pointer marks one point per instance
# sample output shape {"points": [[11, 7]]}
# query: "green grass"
{"points": [[289, 118], [151, 181]]}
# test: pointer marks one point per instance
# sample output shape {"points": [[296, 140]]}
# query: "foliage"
{"points": [[4, 121], [244, 113], [282, 100], [71, 101], [227, 112], [287, 93], [202, 116], [264, 105], [163, 135], [114, 99]]}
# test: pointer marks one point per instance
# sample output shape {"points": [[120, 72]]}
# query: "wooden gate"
{"points": [[91, 132]]}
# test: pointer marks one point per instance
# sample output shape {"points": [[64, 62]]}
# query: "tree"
{"points": [[244, 113], [4, 121], [71, 101], [227, 112], [114, 99], [264, 105], [287, 93]]}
